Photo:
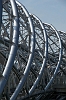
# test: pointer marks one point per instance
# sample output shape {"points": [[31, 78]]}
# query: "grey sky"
{"points": [[49, 11]]}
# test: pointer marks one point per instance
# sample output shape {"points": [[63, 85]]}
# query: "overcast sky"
{"points": [[49, 11]]}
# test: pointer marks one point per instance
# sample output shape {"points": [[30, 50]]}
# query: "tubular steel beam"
{"points": [[39, 59], [40, 46], [35, 83], [58, 63], [40, 56], [30, 59], [13, 50]]}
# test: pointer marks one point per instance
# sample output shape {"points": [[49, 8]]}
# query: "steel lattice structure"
{"points": [[32, 55]]}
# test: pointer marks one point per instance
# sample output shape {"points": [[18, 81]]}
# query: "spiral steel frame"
{"points": [[41, 49], [32, 37], [44, 53], [13, 50], [23, 9], [53, 54], [62, 72], [29, 61], [59, 59], [48, 31], [40, 73]]}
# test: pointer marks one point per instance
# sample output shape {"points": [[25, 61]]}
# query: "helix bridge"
{"points": [[32, 56]]}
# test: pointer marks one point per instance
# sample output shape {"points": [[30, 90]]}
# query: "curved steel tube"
{"points": [[44, 60], [13, 50], [27, 69], [58, 64], [59, 61]]}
